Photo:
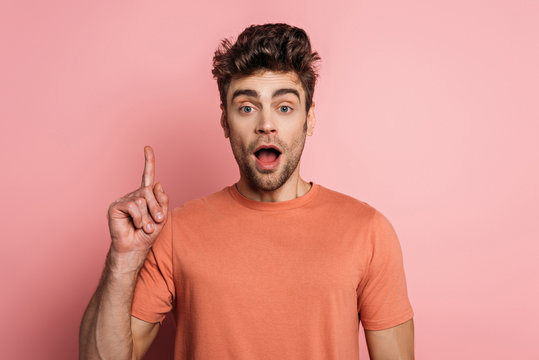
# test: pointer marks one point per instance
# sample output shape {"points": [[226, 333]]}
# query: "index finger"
{"points": [[149, 167]]}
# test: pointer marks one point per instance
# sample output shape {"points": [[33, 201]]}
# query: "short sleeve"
{"points": [[382, 292], [154, 290]]}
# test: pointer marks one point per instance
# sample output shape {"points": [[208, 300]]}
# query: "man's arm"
{"points": [[395, 343], [108, 329], [143, 335]]}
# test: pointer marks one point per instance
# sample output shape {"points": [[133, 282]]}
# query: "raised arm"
{"points": [[107, 329]]}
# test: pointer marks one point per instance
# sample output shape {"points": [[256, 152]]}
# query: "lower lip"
{"points": [[268, 165]]}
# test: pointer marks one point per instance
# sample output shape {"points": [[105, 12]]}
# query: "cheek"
{"points": [[295, 131], [238, 143], [238, 129]]}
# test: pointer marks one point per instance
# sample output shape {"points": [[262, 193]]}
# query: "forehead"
{"points": [[265, 83]]}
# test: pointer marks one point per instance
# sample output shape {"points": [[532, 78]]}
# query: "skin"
{"points": [[395, 343], [250, 121], [107, 328], [135, 220]]}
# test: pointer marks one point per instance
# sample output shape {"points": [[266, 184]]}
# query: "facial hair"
{"points": [[269, 180]]}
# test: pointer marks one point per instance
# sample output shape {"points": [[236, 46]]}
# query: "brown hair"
{"points": [[276, 47]]}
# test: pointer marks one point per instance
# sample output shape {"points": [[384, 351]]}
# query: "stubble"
{"points": [[269, 180]]}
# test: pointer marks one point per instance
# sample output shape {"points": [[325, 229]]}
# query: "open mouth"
{"points": [[267, 154]]}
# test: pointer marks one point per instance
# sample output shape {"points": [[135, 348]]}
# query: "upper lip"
{"points": [[268, 146]]}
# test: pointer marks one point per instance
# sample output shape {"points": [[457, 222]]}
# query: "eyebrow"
{"points": [[253, 93]]}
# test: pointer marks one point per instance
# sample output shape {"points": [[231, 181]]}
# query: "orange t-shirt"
{"points": [[274, 280]]}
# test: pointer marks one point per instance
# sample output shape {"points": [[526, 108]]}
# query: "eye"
{"points": [[285, 109], [246, 109]]}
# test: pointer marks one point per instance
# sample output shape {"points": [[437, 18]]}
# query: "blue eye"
{"points": [[247, 107], [287, 107]]}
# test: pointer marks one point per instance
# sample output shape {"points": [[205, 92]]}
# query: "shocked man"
{"points": [[271, 267]]}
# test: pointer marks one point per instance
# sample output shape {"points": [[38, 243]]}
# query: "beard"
{"points": [[269, 180]]}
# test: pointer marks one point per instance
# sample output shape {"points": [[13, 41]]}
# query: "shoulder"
{"points": [[202, 206], [346, 203]]}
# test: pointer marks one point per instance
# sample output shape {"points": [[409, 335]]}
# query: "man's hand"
{"points": [[108, 330], [136, 219]]}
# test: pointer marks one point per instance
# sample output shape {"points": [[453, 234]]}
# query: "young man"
{"points": [[272, 267]]}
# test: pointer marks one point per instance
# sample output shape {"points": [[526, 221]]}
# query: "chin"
{"points": [[268, 186], [269, 181]]}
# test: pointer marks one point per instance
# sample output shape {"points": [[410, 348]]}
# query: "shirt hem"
{"points": [[145, 316], [387, 323]]}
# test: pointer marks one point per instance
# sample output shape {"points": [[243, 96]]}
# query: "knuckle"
{"points": [[133, 206], [163, 197], [113, 206]]}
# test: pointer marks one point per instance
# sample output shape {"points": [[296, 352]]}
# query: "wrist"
{"points": [[125, 262]]}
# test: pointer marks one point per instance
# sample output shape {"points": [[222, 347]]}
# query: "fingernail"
{"points": [[148, 227], [159, 216]]}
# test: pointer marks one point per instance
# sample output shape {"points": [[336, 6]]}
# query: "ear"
{"points": [[224, 123], [311, 120]]}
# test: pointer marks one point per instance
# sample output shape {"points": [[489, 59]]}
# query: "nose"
{"points": [[265, 124]]}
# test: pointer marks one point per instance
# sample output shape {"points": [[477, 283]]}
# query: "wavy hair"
{"points": [[275, 47]]}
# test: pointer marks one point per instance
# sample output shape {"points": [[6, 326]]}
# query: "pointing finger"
{"points": [[149, 167]]}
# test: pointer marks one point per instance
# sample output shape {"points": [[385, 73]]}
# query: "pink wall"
{"points": [[426, 109]]}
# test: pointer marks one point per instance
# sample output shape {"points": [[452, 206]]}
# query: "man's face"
{"points": [[267, 109]]}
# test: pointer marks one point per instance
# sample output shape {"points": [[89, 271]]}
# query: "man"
{"points": [[272, 267]]}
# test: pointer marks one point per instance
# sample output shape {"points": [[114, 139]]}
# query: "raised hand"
{"points": [[136, 219]]}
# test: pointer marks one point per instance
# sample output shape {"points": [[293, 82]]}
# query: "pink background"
{"points": [[425, 109]]}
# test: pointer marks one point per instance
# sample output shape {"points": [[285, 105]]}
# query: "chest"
{"points": [[251, 258]]}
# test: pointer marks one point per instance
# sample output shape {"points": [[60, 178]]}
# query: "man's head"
{"points": [[266, 83]]}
